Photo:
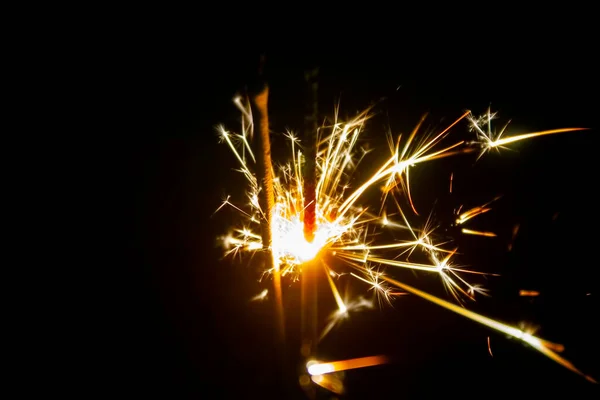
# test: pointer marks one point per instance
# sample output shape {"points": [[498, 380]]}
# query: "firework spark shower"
{"points": [[370, 231]]}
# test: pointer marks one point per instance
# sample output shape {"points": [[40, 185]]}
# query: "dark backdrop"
{"points": [[183, 326]]}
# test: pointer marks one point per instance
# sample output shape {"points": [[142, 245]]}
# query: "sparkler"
{"points": [[345, 236]]}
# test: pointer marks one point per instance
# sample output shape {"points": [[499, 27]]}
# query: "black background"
{"points": [[183, 326]]}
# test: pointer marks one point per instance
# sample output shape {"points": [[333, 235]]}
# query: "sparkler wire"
{"points": [[260, 118]]}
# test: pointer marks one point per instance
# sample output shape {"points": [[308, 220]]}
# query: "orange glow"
{"points": [[316, 368]]}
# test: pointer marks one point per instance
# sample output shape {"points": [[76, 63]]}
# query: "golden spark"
{"points": [[349, 232]]}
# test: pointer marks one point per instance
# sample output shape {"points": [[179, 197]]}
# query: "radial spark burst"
{"points": [[350, 231]]}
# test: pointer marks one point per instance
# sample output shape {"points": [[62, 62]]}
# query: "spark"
{"points": [[320, 368], [261, 296], [475, 211], [343, 313], [528, 293], [351, 233], [515, 231], [488, 138], [472, 213], [330, 382], [479, 233], [383, 292]]}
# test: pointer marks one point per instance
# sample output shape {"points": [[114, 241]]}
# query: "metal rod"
{"points": [[259, 102], [310, 269]]}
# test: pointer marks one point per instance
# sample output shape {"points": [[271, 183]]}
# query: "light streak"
{"points": [[546, 348], [489, 139], [479, 233], [472, 213], [261, 296], [515, 231], [529, 293], [320, 368]]}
